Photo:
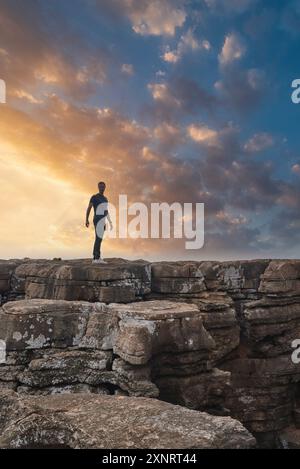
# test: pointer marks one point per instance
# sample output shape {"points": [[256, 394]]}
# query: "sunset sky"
{"points": [[165, 100]]}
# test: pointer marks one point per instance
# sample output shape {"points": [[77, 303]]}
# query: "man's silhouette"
{"points": [[98, 201]]}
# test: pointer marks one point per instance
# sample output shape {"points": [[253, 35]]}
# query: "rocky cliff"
{"points": [[212, 337]]}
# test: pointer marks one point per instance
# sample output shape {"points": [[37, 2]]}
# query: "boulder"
{"points": [[147, 329], [34, 324], [98, 421]]}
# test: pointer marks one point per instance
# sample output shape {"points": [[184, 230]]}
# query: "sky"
{"points": [[164, 100]]}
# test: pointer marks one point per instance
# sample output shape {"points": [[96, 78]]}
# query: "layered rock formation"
{"points": [[252, 310], [120, 281], [154, 348], [211, 336]]}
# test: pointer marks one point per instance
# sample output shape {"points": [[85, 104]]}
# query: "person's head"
{"points": [[101, 187]]}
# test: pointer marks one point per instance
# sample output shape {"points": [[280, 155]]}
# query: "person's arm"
{"points": [[88, 211]]}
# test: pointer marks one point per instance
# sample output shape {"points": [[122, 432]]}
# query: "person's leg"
{"points": [[97, 247], [98, 241]]}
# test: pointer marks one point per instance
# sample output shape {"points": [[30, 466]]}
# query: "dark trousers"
{"points": [[97, 244]]}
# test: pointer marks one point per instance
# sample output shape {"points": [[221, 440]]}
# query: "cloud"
{"points": [[161, 92], [168, 135], [233, 49], [158, 18], [187, 42], [160, 73], [211, 138], [21, 94], [181, 93], [242, 89], [148, 17], [237, 181], [171, 56], [290, 196], [259, 142], [203, 134], [232, 242], [231, 220], [87, 140], [296, 168], [177, 97], [32, 55], [127, 69], [284, 231], [100, 143], [253, 185], [92, 144]]}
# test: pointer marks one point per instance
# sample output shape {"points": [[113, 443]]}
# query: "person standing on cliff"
{"points": [[99, 203]]}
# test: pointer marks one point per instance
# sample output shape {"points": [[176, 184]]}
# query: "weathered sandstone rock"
{"points": [[281, 277], [117, 281], [150, 328], [140, 349], [7, 291], [224, 345], [201, 391], [251, 309], [270, 325], [94, 421], [44, 323], [263, 391]]}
